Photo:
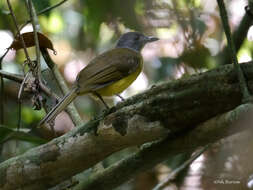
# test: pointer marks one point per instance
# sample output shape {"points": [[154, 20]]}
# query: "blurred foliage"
{"points": [[191, 37], [7, 133], [96, 12]]}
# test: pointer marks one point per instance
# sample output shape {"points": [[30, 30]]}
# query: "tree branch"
{"points": [[20, 78], [152, 154], [43, 161], [11, 76], [171, 107]]}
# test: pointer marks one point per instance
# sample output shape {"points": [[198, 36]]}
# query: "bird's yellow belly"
{"points": [[121, 85]]}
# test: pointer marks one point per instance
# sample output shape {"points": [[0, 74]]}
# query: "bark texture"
{"points": [[167, 108]]}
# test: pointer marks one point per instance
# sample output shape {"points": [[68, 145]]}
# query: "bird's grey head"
{"points": [[134, 40]]}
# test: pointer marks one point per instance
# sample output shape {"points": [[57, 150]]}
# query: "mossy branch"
{"points": [[171, 108]]}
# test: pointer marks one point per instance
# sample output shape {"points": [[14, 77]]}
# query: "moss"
{"points": [[88, 127], [3, 176], [120, 124], [51, 155]]}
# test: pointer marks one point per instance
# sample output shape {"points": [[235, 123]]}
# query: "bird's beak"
{"points": [[151, 39]]}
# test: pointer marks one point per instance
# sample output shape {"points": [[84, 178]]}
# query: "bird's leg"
{"points": [[122, 99], [102, 100]]}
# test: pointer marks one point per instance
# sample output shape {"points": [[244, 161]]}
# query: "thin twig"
{"points": [[18, 32], [27, 57], [42, 12], [19, 99], [35, 24], [2, 91], [20, 79], [1, 99], [34, 19], [19, 115], [52, 7], [49, 92], [242, 82], [22, 86], [5, 53], [10, 76], [238, 36], [175, 172]]}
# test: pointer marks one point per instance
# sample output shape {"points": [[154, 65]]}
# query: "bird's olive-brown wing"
{"points": [[107, 68]]}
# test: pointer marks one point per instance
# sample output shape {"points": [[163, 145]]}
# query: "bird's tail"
{"points": [[64, 102]]}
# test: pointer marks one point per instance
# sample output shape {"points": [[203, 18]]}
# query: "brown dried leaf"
{"points": [[28, 37]]}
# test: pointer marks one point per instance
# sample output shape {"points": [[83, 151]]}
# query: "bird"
{"points": [[108, 74]]}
